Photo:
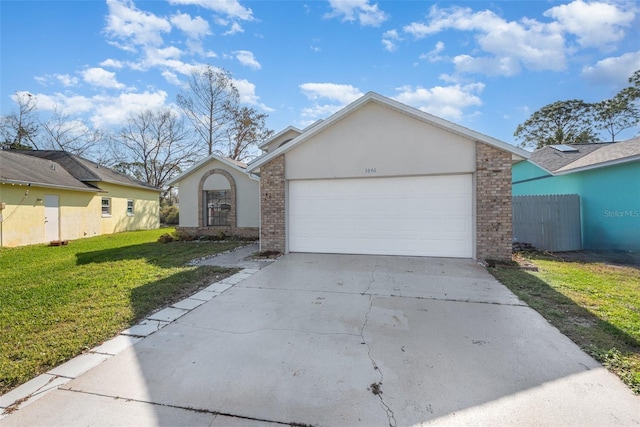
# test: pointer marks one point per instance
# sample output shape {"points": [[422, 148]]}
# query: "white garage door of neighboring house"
{"points": [[422, 216]]}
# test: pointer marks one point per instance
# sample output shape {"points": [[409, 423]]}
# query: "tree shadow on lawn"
{"points": [[616, 258], [164, 255], [598, 337], [159, 294], [88, 315]]}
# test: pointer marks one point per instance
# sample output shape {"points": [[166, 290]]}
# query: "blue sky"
{"points": [[484, 65]]}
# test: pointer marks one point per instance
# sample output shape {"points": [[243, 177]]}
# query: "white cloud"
{"points": [[65, 80], [246, 58], [114, 111], [335, 95], [111, 63], [343, 94], [492, 66], [361, 10], [510, 44], [389, 39], [433, 55], [595, 24], [235, 29], [73, 104], [171, 77], [134, 27], [247, 91], [443, 101], [231, 8], [311, 114], [156, 57], [101, 77], [614, 70], [195, 28]]}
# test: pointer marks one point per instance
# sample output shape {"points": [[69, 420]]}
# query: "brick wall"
{"points": [[493, 203], [272, 203]]}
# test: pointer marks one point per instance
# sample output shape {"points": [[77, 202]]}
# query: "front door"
{"points": [[51, 218]]}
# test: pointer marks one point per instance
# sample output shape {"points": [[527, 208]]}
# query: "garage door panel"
{"points": [[428, 216]]}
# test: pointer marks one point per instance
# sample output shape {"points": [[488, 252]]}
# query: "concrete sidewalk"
{"points": [[335, 340], [239, 257]]}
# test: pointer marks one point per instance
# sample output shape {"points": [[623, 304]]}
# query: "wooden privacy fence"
{"points": [[550, 223]]}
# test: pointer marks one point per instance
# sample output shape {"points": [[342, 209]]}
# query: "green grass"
{"points": [[595, 304], [56, 302]]}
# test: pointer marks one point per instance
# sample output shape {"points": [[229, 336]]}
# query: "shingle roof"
{"points": [[85, 170], [16, 168], [237, 163], [586, 156]]}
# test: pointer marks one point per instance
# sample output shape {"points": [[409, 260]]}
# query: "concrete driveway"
{"points": [[335, 340]]}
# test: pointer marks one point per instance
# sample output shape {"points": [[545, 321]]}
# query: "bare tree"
{"points": [[154, 146], [209, 104], [247, 130], [19, 129], [63, 132]]}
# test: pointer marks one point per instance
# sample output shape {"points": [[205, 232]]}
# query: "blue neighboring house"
{"points": [[606, 177]]}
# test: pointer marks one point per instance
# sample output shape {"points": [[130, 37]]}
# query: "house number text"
{"points": [[370, 170]]}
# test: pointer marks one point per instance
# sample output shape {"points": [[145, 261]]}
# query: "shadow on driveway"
{"points": [[335, 340]]}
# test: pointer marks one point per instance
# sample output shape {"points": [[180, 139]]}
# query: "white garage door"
{"points": [[425, 216]]}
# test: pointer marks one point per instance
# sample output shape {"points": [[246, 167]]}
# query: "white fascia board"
{"points": [[398, 106], [203, 162], [624, 160], [45, 185], [278, 135]]}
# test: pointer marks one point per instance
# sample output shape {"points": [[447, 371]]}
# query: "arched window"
{"points": [[217, 201]]}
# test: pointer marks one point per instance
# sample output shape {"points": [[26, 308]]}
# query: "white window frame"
{"points": [[108, 206], [133, 207]]}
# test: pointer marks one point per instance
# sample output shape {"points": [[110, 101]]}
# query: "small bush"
{"points": [[183, 236], [166, 238], [169, 215]]}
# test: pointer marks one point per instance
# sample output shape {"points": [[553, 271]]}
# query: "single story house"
{"points": [[606, 176], [217, 195], [50, 196], [380, 177]]}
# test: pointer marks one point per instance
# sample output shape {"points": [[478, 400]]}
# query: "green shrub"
{"points": [[169, 215]]}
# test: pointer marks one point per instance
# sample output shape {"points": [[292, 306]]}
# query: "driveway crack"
{"points": [[191, 408], [375, 388]]}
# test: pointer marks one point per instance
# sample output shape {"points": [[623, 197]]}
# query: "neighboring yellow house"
{"points": [[50, 196]]}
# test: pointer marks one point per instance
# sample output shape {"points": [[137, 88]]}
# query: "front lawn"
{"points": [[596, 304], [58, 301]]}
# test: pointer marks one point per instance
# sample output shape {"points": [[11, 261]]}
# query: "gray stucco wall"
{"points": [[379, 141], [247, 195]]}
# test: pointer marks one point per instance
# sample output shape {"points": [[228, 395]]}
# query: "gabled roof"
{"points": [[85, 170], [239, 166], [85, 173], [16, 168], [279, 134], [586, 156], [315, 129]]}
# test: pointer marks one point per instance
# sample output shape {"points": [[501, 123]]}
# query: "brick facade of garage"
{"points": [[457, 180], [272, 206], [493, 204]]}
